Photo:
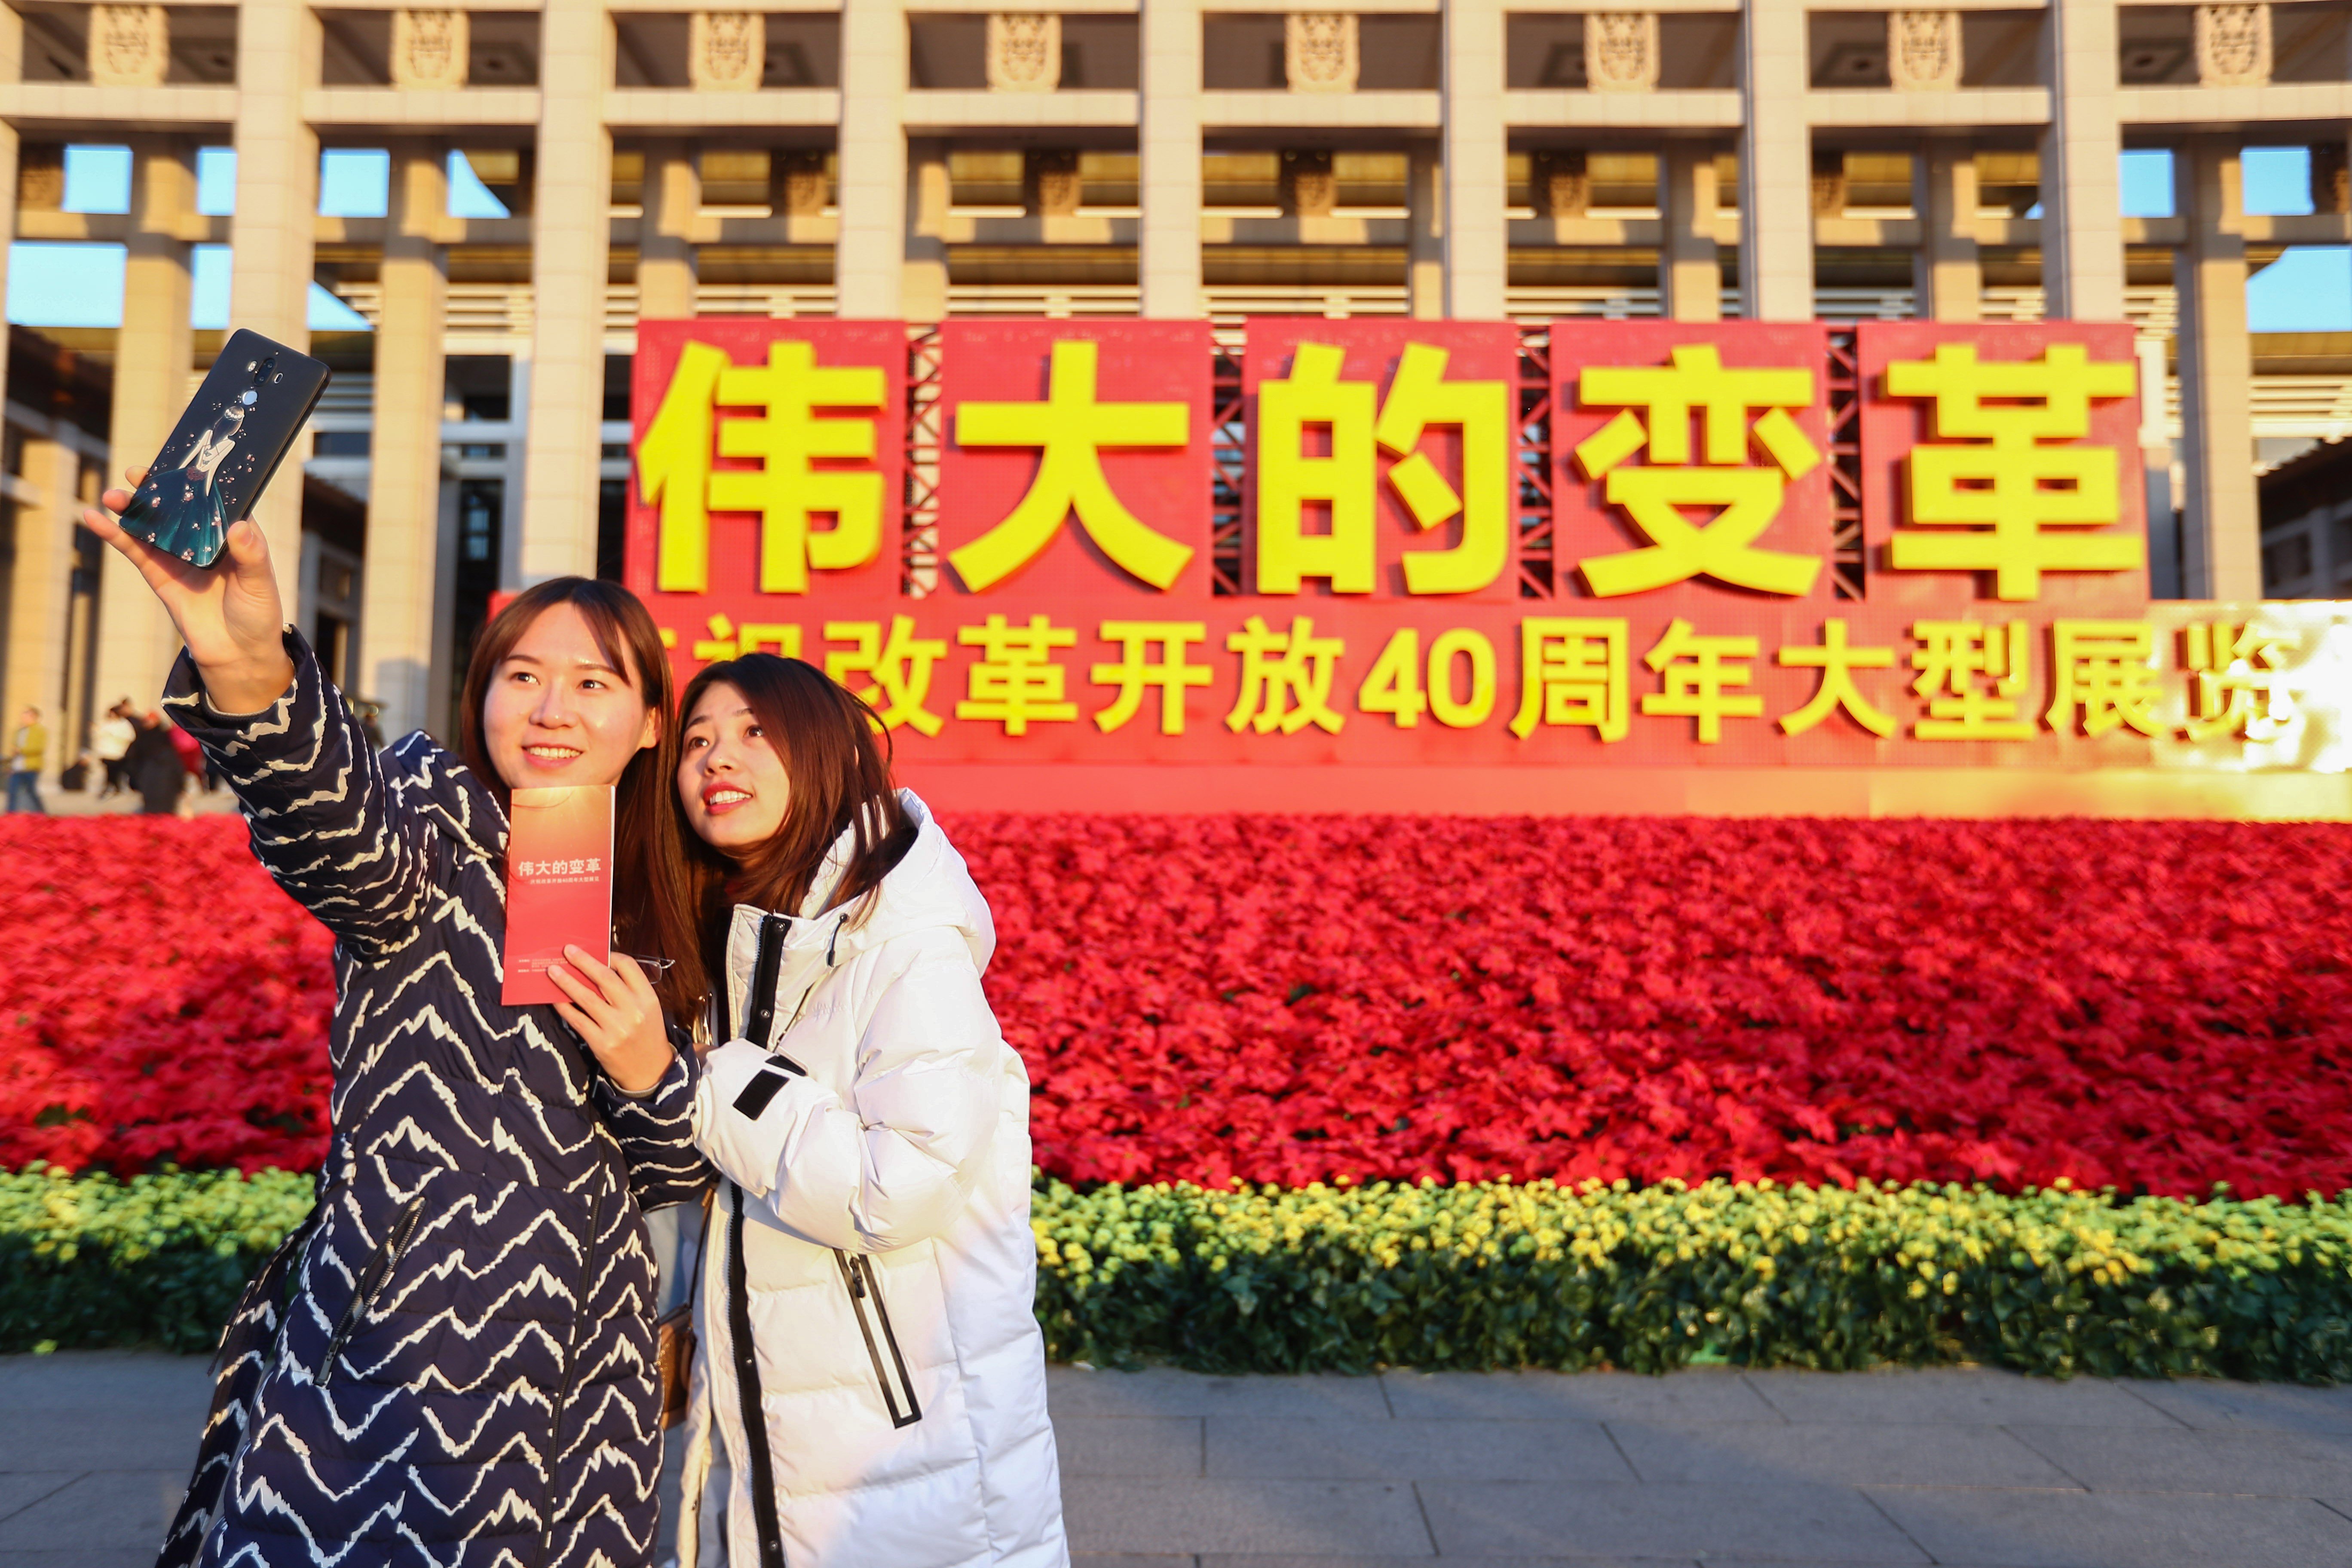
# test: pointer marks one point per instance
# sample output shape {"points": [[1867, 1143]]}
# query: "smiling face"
{"points": [[557, 712], [730, 781]]}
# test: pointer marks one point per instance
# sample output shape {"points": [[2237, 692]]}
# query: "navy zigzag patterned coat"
{"points": [[453, 1365]]}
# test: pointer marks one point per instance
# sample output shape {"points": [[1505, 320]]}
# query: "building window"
{"points": [[612, 526], [2287, 562]]}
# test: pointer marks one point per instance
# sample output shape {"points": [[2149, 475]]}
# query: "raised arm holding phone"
{"points": [[457, 1347]]}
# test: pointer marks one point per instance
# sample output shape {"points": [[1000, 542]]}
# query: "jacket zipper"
{"points": [[857, 1274], [372, 1278], [745, 1356], [761, 1022], [578, 1310]]}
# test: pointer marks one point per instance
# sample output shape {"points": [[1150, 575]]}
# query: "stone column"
{"points": [[1690, 272], [1167, 256], [2156, 471], [1167, 252], [1776, 205], [1424, 263], [570, 241], [1946, 274], [400, 583], [154, 352], [923, 285], [870, 254], [1477, 241], [273, 235], [672, 200], [2221, 517], [38, 591], [2082, 214], [41, 596]]}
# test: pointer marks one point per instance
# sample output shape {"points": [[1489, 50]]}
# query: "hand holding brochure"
{"points": [[559, 885]]}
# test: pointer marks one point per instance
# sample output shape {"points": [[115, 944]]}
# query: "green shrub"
{"points": [[90, 1260], [1497, 1275], [1486, 1275]]}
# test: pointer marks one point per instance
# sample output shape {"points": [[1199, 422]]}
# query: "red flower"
{"points": [[2157, 1005]]}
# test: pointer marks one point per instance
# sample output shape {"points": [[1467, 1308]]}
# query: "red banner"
{"points": [[1387, 484]]}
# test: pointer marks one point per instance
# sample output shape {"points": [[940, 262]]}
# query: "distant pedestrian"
{"points": [[154, 766], [110, 742], [28, 748]]}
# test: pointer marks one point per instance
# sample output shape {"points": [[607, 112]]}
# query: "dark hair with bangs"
{"points": [[653, 912], [838, 766]]}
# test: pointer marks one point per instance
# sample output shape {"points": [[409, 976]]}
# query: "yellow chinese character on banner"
{"points": [[1837, 661], [1574, 671], [1286, 678], [1420, 397], [900, 669], [1287, 478], [1138, 669], [1015, 681], [788, 438], [1394, 685], [1071, 430], [1956, 660], [2237, 685], [2007, 503], [1696, 678], [1653, 496], [728, 641], [2103, 672]]}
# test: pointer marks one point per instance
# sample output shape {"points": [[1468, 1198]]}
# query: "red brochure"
{"points": [[559, 885]]}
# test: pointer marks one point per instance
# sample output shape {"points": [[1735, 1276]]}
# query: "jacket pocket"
{"points": [[865, 1291], [374, 1274]]}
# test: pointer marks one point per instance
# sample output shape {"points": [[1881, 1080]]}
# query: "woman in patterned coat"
{"points": [[453, 1362]]}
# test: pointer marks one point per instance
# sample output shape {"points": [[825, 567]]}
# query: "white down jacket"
{"points": [[872, 1230]]}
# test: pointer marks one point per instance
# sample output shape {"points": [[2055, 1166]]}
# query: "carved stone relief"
{"points": [[2233, 46], [1923, 50], [1829, 184], [2331, 178], [1025, 51], [726, 51], [130, 45], [429, 48], [1050, 185], [1621, 51], [1320, 52], [41, 177], [1560, 184], [796, 183], [1309, 186]]}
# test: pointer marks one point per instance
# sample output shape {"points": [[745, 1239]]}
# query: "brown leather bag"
{"points": [[674, 1335]]}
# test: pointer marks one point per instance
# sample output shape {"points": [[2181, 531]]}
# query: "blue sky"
{"points": [[52, 285], [2309, 288]]}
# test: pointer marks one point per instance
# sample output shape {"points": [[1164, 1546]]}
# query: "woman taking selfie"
{"points": [[868, 1364], [457, 1347]]}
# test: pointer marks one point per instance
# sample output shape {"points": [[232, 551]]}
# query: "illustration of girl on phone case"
{"points": [[190, 521]]}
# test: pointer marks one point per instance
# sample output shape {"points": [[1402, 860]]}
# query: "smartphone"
{"points": [[230, 441]]}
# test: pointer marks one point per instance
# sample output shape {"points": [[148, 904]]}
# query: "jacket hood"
{"points": [[929, 888]]}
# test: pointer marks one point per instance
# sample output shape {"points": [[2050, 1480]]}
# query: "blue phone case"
{"points": [[228, 443]]}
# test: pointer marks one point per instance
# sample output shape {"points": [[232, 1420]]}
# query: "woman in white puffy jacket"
{"points": [[868, 1368]]}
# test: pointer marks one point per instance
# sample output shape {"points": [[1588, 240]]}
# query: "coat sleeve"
{"points": [[324, 820], [893, 1162], [656, 1134]]}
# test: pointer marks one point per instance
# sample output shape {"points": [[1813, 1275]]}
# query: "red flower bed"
{"points": [[2151, 1004], [159, 1000]]}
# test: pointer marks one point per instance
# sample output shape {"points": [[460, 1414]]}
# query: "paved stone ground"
{"points": [[1164, 1469]]}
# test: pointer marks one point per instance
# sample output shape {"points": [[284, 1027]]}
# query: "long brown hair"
{"points": [[838, 774], [653, 912]]}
